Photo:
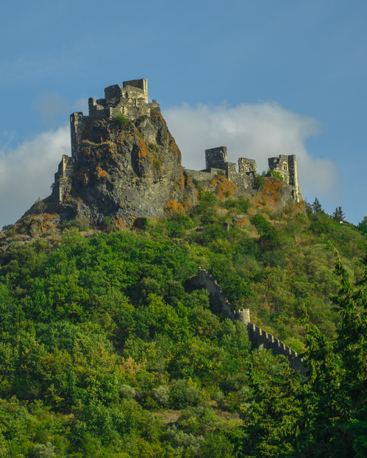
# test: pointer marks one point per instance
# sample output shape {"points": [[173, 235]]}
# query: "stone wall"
{"points": [[218, 301], [247, 165], [287, 167], [258, 338], [62, 175], [216, 160]]}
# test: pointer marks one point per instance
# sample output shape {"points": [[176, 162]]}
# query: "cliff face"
{"points": [[125, 172], [123, 169]]}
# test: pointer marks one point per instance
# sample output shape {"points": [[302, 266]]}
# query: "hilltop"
{"points": [[125, 165]]}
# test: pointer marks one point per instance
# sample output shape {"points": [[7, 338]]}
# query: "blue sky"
{"points": [[262, 77]]}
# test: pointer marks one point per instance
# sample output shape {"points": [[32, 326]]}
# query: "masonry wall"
{"points": [[77, 126], [62, 175], [216, 158], [258, 338]]}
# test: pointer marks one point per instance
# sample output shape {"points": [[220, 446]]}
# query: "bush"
{"points": [[127, 392], [274, 259], [269, 238], [161, 395], [108, 224], [185, 442], [178, 224], [242, 204], [259, 182], [44, 450], [276, 174], [120, 121], [184, 395]]}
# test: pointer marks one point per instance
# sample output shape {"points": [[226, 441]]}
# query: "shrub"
{"points": [[276, 174], [44, 450], [156, 164], [274, 259], [259, 182], [185, 442], [161, 395], [39, 205], [108, 224], [178, 224], [127, 392], [184, 395], [242, 204], [269, 238], [120, 121]]}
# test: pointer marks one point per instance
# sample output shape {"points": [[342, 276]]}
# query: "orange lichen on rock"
{"points": [[47, 223], [180, 182], [270, 195], [223, 188], [143, 150], [173, 206], [102, 173], [83, 175], [119, 223]]}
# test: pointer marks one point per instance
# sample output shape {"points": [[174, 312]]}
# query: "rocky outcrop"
{"points": [[122, 168]]}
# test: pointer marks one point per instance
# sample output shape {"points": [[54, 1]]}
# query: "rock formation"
{"points": [[125, 164]]}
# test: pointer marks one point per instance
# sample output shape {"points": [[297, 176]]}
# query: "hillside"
{"points": [[112, 346], [105, 352]]}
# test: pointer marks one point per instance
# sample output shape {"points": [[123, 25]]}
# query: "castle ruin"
{"points": [[131, 102], [216, 162]]}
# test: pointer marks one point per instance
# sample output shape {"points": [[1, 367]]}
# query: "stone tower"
{"points": [[286, 166]]}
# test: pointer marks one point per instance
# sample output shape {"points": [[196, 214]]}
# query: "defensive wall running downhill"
{"points": [[258, 337]]}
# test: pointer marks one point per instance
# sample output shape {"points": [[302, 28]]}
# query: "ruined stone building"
{"points": [[134, 170]]}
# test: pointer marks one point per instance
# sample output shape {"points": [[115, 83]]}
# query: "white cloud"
{"points": [[27, 171], [257, 132]]}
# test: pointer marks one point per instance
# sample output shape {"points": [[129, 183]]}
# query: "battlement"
{"points": [[130, 100]]}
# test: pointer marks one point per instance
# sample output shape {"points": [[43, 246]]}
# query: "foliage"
{"points": [[120, 121], [102, 335], [276, 174], [338, 214], [259, 182]]}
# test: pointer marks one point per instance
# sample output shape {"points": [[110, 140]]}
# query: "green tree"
{"points": [[316, 206], [338, 214]]}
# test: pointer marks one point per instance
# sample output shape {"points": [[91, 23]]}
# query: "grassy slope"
{"points": [[99, 336]]}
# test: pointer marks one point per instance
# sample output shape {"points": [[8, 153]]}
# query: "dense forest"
{"points": [[106, 352]]}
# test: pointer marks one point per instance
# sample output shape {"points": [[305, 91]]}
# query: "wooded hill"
{"points": [[104, 353]]}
